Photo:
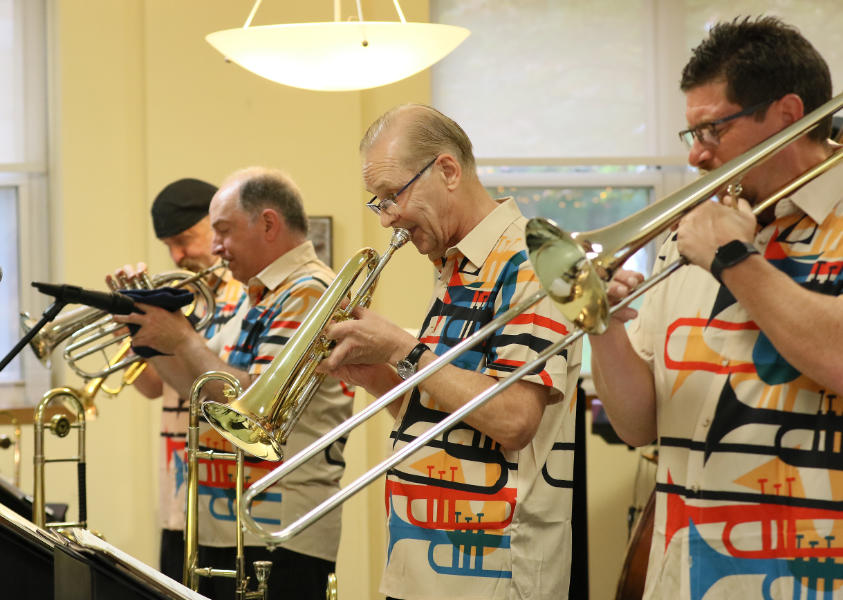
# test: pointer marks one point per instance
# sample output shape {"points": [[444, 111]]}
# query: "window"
{"points": [[23, 190], [578, 117]]}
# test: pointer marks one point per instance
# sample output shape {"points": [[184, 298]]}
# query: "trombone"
{"points": [[573, 271], [192, 571]]}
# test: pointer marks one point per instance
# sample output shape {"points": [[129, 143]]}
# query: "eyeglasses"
{"points": [[707, 134], [380, 206]]}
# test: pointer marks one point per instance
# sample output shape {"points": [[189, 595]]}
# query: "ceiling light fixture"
{"points": [[338, 55]]}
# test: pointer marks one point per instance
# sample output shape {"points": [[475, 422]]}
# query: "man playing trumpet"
{"points": [[484, 510]]}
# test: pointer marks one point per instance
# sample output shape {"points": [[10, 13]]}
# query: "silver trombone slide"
{"points": [[350, 490], [361, 417], [688, 198]]}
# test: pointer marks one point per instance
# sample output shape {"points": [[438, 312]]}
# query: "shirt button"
{"points": [[707, 422]]}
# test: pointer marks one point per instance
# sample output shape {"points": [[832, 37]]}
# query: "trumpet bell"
{"points": [[568, 275]]}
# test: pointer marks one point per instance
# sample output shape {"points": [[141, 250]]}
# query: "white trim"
{"points": [[649, 161]]}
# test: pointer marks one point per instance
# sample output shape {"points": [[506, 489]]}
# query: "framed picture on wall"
{"points": [[321, 234]]}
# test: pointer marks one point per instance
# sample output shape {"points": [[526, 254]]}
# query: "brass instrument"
{"points": [[260, 420], [95, 337], [84, 326], [192, 571], [574, 270], [59, 425]]}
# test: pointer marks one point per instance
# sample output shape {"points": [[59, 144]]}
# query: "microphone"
{"points": [[111, 302]]}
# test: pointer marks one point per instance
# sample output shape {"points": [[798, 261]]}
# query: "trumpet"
{"points": [[573, 270], [260, 420]]}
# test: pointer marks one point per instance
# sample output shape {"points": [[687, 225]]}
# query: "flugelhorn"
{"points": [[91, 331], [261, 419], [575, 270]]}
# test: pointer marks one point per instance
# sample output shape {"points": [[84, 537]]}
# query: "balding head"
{"points": [[262, 187], [423, 132]]}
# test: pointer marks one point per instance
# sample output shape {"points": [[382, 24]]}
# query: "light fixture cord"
{"points": [[252, 14], [399, 11]]}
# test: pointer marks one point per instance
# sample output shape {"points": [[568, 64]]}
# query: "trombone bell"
{"points": [[567, 275]]}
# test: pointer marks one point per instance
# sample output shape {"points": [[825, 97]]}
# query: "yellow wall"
{"points": [[138, 99]]}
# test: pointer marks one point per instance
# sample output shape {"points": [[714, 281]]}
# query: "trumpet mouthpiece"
{"points": [[399, 237]]}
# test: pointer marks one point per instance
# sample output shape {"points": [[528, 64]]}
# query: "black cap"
{"points": [[180, 206]]}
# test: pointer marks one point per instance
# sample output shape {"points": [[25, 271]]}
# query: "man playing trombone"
{"points": [[734, 363], [483, 511], [259, 227]]}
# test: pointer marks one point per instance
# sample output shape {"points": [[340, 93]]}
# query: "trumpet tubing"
{"points": [[90, 331], [260, 420]]}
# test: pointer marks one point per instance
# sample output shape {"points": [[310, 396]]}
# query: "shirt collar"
{"points": [[481, 240], [817, 198], [277, 272]]}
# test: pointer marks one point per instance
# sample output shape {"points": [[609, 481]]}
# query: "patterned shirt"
{"points": [[750, 480], [468, 519], [175, 412], [278, 299]]}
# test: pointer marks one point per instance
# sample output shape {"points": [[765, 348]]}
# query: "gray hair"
{"points": [[426, 132], [270, 188]]}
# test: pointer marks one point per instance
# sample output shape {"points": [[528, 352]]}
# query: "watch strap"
{"points": [[728, 255], [415, 354], [407, 366]]}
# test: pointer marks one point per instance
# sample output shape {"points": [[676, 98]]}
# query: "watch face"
{"points": [[405, 368]]}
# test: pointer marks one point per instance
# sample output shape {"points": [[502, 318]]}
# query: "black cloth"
{"points": [[293, 575], [172, 553], [170, 298]]}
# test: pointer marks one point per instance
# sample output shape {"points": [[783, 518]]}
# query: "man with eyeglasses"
{"points": [[484, 510], [734, 363]]}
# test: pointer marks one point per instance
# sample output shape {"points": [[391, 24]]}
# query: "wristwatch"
{"points": [[407, 367], [730, 254]]}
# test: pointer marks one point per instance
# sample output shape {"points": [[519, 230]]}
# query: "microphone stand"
{"points": [[48, 316]]}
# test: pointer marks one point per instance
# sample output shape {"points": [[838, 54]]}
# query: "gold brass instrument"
{"points": [[85, 325], [260, 420], [192, 571], [59, 425], [82, 402], [574, 269], [95, 337]]}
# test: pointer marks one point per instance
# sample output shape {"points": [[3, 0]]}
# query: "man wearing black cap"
{"points": [[260, 228], [180, 220]]}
